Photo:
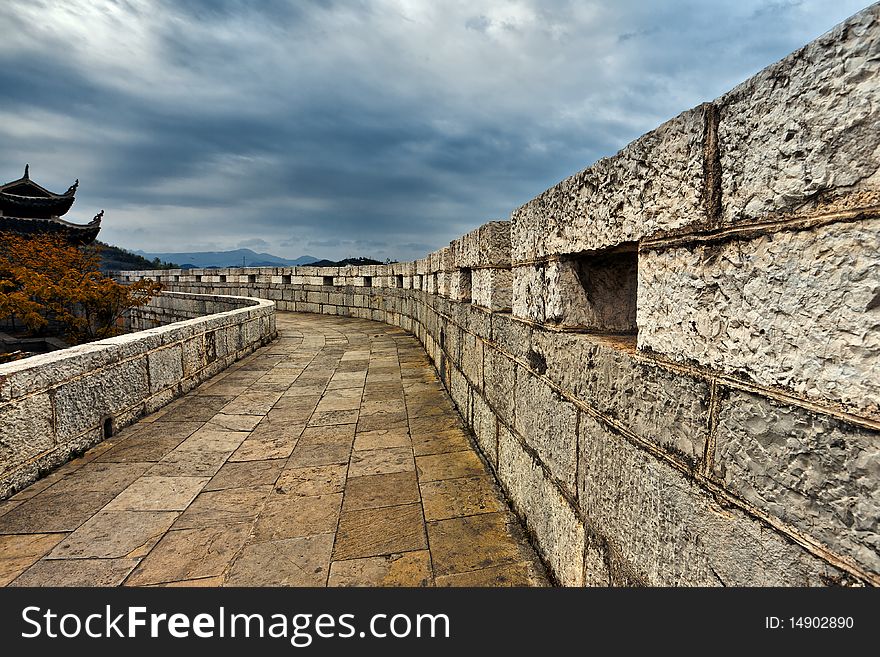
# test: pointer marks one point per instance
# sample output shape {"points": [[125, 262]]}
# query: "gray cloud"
{"points": [[382, 129]]}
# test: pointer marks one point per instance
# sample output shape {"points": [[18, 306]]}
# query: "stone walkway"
{"points": [[331, 457]]}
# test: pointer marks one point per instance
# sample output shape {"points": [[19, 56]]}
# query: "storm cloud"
{"points": [[379, 129]]}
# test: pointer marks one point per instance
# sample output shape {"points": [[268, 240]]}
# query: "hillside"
{"points": [[114, 258], [234, 258], [354, 262]]}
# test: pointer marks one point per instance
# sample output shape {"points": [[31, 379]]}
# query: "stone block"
{"points": [[492, 288], [195, 355], [801, 135], [81, 404], [667, 408], [654, 183], [26, 430], [472, 359], [445, 259], [511, 335], [529, 293], [795, 310], [813, 472], [460, 285], [548, 424], [668, 531], [459, 390], [485, 426], [165, 367], [558, 531], [500, 380]]}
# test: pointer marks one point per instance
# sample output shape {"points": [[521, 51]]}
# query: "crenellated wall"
{"points": [[56, 405], [672, 358]]}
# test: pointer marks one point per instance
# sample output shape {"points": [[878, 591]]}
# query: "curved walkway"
{"points": [[334, 456]]}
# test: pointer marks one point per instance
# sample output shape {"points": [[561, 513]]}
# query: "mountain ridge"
{"points": [[232, 258]]}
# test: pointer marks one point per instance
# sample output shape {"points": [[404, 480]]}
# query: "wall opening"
{"points": [[285, 280], [252, 278], [461, 285], [198, 278], [609, 284], [107, 426], [368, 281], [328, 280], [222, 278], [399, 280], [176, 278]]}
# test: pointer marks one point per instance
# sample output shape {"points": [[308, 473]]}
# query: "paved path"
{"points": [[331, 457]]}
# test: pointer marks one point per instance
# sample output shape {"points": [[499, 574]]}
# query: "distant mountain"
{"points": [[345, 263], [115, 259], [236, 258]]}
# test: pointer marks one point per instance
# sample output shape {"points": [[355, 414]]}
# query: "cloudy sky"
{"points": [[327, 128]]}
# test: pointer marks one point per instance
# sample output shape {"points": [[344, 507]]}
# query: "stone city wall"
{"points": [[56, 405], [671, 359]]}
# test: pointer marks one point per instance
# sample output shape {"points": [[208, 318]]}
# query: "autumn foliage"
{"points": [[53, 288]]}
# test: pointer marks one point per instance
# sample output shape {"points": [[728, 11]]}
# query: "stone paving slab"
{"points": [[332, 457]]}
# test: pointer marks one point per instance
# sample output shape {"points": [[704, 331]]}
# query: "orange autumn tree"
{"points": [[50, 286]]}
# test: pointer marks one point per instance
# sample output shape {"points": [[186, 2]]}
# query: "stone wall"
{"points": [[671, 359], [57, 405]]}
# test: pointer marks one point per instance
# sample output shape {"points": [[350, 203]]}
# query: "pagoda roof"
{"points": [[25, 198], [73, 233], [26, 188]]}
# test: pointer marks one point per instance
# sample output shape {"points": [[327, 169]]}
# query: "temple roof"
{"points": [[27, 208], [74, 233], [25, 198], [27, 188]]}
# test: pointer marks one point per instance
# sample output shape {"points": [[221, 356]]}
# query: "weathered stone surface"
{"points": [[76, 572], [316, 480], [492, 288], [796, 310], [485, 426], [149, 442], [246, 473], [461, 545], [19, 552], [114, 535], [454, 498], [81, 404], [555, 525], [670, 409], [376, 532], [378, 490], [290, 516], [655, 182], [302, 561], [548, 425], [165, 367], [670, 532], [812, 472], [499, 383], [529, 293], [155, 493], [26, 430], [450, 465], [224, 507], [404, 569], [514, 574], [802, 129], [190, 554], [486, 246], [381, 461], [460, 285]]}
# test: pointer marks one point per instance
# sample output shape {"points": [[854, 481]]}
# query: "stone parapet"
{"points": [[57, 405]]}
